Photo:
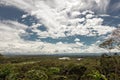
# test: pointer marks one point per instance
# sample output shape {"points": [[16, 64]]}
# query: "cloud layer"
{"points": [[62, 18], [73, 17]]}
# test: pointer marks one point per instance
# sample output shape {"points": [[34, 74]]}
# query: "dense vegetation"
{"points": [[51, 68]]}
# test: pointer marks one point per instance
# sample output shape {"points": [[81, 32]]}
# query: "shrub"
{"points": [[54, 70], [5, 71], [36, 75], [97, 76]]}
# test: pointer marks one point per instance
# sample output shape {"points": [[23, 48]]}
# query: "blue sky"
{"points": [[52, 26]]}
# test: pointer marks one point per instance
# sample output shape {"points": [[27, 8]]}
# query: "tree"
{"points": [[108, 44], [96, 75], [109, 66], [113, 41], [116, 37], [36, 75], [5, 70], [77, 70]]}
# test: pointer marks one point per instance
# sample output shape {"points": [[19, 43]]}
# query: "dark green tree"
{"points": [[77, 70], [36, 75]]}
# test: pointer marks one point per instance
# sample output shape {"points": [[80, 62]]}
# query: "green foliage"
{"points": [[110, 66], [58, 77], [51, 68], [14, 76], [54, 70], [5, 71], [72, 77], [78, 70], [36, 75], [97, 76]]}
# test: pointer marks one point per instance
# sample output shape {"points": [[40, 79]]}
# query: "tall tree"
{"points": [[113, 41]]}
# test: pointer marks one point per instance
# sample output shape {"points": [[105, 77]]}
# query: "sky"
{"points": [[57, 26]]}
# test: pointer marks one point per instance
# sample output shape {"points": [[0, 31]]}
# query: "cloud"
{"points": [[11, 42], [114, 6], [77, 40], [65, 17], [62, 18], [74, 4]]}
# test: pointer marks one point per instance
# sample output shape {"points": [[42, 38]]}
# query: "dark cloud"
{"points": [[114, 8]]}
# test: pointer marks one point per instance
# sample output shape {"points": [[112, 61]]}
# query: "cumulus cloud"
{"points": [[61, 18], [77, 40], [11, 42]]}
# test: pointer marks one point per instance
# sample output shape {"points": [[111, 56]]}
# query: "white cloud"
{"points": [[95, 49], [89, 16], [75, 14], [79, 43], [104, 15], [58, 17], [24, 16], [59, 43], [77, 40], [11, 42]]}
